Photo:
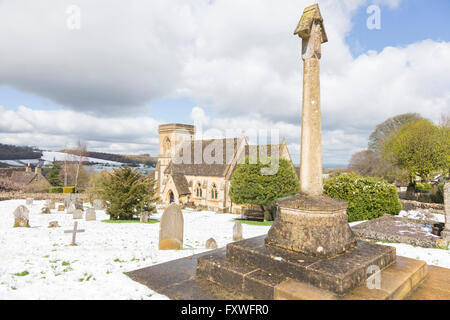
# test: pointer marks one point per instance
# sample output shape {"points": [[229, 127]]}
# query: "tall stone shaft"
{"points": [[311, 138], [312, 32]]}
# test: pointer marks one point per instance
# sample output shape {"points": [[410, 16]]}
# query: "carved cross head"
{"points": [[311, 30]]}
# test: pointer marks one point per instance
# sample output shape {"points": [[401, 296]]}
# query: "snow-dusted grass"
{"points": [[40, 263]]}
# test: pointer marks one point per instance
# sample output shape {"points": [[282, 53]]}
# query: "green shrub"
{"points": [[367, 197], [423, 187], [68, 189], [55, 190]]}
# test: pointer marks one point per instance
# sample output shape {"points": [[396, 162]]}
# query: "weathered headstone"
{"points": [[45, 210], [77, 214], [52, 205], [91, 215], [74, 232], [211, 244], [171, 228], [144, 217], [61, 207], [78, 204], [237, 231], [21, 217], [29, 201], [71, 208], [98, 204], [53, 224], [446, 233]]}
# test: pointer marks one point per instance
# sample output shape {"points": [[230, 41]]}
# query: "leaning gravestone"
{"points": [[211, 244], [21, 217], [29, 201], [237, 231], [144, 217], [77, 214], [171, 228], [98, 204], [91, 215]]}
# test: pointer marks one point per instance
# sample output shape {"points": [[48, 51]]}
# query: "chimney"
{"points": [[37, 170], [28, 168]]}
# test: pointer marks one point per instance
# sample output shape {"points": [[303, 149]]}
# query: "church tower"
{"points": [[170, 137]]}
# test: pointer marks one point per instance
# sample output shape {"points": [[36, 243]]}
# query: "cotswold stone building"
{"points": [[198, 172]]}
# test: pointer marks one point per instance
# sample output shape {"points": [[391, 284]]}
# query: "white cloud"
{"points": [[57, 129], [238, 58]]}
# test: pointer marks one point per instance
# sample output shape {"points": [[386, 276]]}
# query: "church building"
{"points": [[198, 172]]}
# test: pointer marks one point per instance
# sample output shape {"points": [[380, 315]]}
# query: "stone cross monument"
{"points": [[310, 222], [312, 32]]}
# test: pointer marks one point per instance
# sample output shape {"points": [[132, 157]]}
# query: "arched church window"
{"points": [[166, 145], [198, 190], [214, 192]]}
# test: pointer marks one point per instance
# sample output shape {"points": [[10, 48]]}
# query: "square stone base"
{"points": [[249, 263]]}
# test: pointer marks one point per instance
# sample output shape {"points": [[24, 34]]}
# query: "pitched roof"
{"points": [[23, 177], [198, 149], [181, 184]]}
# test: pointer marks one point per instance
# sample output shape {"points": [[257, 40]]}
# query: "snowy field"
{"points": [[40, 263]]}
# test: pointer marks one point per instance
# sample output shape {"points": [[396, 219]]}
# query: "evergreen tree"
{"points": [[126, 192], [53, 174], [249, 186]]}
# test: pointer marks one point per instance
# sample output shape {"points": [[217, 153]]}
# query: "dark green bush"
{"points": [[55, 190], [367, 197]]}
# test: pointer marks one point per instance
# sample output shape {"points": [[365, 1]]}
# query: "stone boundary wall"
{"points": [[416, 205], [41, 196]]}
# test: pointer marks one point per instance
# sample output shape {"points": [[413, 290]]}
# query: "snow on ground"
{"points": [[94, 268], [422, 215], [49, 156]]}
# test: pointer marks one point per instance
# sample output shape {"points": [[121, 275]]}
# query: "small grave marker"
{"points": [[74, 232]]}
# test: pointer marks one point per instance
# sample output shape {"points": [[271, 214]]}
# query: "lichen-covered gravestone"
{"points": [[237, 231], [52, 205], [91, 215], [144, 217], [21, 217], [77, 214], [61, 207], [98, 204], [211, 244], [171, 228]]}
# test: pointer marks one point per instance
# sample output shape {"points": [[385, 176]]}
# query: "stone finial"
{"points": [[311, 30], [311, 15]]}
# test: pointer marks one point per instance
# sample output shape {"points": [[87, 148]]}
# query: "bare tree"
{"points": [[82, 152]]}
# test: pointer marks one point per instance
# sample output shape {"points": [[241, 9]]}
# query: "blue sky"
{"points": [[152, 67]]}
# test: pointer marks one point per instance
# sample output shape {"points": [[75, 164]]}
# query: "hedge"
{"points": [[55, 190], [68, 189], [367, 197]]}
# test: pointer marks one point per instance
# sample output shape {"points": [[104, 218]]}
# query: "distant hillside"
{"points": [[128, 159], [11, 152]]}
